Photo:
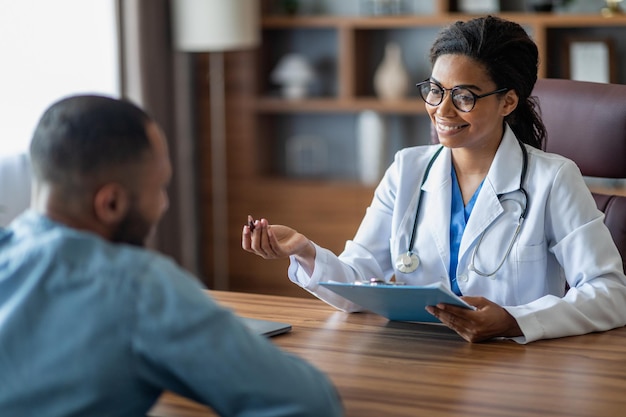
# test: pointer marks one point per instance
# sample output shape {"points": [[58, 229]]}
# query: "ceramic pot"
{"points": [[391, 80]]}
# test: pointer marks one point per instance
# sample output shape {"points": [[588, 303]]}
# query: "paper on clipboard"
{"points": [[398, 302]]}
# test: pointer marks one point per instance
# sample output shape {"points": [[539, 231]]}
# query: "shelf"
{"points": [[383, 22], [581, 21], [357, 43], [346, 51], [330, 105], [315, 185], [380, 22]]}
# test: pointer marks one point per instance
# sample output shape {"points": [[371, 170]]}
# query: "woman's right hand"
{"points": [[276, 242]]}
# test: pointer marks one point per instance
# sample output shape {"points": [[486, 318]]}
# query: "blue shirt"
{"points": [[91, 328], [459, 215]]}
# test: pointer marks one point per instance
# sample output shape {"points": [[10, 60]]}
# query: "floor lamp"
{"points": [[216, 26]]}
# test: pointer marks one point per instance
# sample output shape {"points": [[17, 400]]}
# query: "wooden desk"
{"points": [[388, 369]]}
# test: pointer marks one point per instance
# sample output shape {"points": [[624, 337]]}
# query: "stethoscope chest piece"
{"points": [[407, 262]]}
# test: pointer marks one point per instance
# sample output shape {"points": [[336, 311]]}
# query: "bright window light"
{"points": [[51, 49]]}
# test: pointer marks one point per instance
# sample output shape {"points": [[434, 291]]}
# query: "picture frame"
{"points": [[478, 6], [590, 59]]}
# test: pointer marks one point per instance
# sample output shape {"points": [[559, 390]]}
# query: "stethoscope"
{"points": [[409, 261]]}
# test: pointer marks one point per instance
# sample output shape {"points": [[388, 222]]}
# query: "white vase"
{"points": [[371, 147], [391, 80]]}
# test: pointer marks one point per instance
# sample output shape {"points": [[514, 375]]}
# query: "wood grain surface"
{"points": [[384, 368]]}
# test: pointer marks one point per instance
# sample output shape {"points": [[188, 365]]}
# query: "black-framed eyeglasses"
{"points": [[462, 98]]}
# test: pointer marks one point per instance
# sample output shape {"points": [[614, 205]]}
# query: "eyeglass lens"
{"points": [[462, 98]]}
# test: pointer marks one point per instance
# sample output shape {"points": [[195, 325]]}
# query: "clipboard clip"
{"points": [[378, 281]]}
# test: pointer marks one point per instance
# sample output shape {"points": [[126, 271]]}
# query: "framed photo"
{"points": [[590, 59], [479, 6]]}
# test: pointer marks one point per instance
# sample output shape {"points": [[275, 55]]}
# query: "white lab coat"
{"points": [[562, 239]]}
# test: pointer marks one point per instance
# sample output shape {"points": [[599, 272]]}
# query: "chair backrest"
{"points": [[586, 122]]}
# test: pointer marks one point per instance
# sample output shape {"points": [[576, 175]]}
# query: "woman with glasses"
{"points": [[510, 228]]}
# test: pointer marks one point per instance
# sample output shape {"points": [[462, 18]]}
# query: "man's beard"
{"points": [[133, 229]]}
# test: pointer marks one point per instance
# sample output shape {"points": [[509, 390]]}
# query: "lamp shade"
{"points": [[215, 25]]}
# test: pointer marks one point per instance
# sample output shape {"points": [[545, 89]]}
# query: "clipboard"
{"points": [[397, 302]]}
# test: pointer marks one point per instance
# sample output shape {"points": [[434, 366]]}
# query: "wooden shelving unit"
{"points": [[259, 121]]}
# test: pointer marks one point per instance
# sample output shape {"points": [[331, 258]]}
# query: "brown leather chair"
{"points": [[586, 122]]}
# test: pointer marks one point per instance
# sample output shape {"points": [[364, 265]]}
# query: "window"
{"points": [[52, 49]]}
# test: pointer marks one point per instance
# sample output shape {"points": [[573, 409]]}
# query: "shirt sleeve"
{"points": [[327, 267], [366, 256], [187, 343]]}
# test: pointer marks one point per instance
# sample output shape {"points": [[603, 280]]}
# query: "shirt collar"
{"points": [[506, 168]]}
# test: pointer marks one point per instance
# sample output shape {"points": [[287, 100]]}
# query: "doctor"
{"points": [[505, 225]]}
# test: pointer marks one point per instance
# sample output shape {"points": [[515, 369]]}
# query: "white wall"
{"points": [[14, 186], [50, 49]]}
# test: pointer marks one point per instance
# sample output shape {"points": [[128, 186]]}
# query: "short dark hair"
{"points": [[82, 137], [511, 59]]}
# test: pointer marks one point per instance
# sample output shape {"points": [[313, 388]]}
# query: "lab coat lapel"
{"points": [[437, 203], [503, 177]]}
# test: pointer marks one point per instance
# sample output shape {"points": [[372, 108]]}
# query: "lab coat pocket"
{"points": [[532, 262], [531, 253]]}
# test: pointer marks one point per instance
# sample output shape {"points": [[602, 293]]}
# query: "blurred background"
{"points": [[284, 109]]}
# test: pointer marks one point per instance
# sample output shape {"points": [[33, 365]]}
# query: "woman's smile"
{"points": [[449, 128]]}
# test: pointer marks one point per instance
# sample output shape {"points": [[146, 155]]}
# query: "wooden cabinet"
{"points": [[345, 51]]}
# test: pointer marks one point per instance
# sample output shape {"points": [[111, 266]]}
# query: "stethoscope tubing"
{"points": [[419, 198], [408, 262]]}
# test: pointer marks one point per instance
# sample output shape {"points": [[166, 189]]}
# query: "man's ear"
{"points": [[111, 203], [511, 99]]}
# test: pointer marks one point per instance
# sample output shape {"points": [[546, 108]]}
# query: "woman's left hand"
{"points": [[489, 320]]}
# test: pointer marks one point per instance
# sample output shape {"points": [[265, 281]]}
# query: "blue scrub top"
{"points": [[459, 215]]}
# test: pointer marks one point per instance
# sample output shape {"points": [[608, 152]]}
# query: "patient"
{"points": [[93, 324]]}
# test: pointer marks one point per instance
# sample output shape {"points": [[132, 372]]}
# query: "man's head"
{"points": [[100, 164]]}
